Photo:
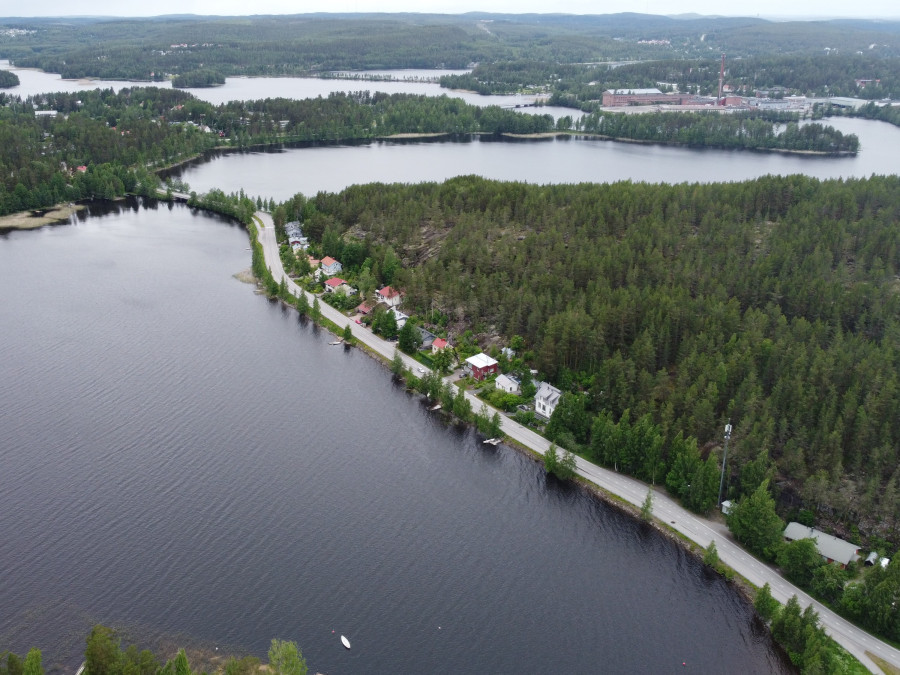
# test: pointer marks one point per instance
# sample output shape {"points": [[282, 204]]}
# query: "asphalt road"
{"points": [[697, 529]]}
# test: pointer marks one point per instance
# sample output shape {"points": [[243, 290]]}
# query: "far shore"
{"points": [[30, 220]]}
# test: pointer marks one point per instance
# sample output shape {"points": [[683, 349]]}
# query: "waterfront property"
{"points": [[546, 399], [336, 284], [507, 383], [481, 366], [389, 296], [831, 548], [330, 266], [439, 344]]}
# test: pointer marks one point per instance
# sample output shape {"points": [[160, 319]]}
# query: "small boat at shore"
{"points": [[436, 406], [492, 441], [345, 641]]}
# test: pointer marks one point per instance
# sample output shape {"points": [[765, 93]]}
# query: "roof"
{"points": [[508, 380], [827, 545], [328, 261], [388, 292], [439, 343], [364, 308], [548, 393], [481, 361], [335, 281], [631, 92]]}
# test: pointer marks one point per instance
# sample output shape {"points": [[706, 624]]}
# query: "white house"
{"points": [[508, 384], [400, 317], [330, 266], [546, 399], [438, 345], [336, 284], [389, 296]]}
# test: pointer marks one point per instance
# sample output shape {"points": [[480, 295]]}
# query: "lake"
{"points": [[281, 173], [189, 462], [35, 82]]}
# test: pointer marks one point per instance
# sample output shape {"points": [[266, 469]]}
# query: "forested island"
{"points": [[8, 79], [198, 78], [748, 131]]}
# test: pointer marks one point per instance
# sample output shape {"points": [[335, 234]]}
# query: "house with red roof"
{"points": [[438, 345], [335, 284], [330, 266], [389, 296]]}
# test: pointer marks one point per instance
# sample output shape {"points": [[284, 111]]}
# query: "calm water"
{"points": [[183, 459], [282, 173], [34, 82]]}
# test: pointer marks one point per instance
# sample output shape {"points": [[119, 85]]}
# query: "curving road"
{"points": [[697, 529]]}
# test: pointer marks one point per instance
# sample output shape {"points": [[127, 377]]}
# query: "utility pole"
{"points": [[724, 460]]}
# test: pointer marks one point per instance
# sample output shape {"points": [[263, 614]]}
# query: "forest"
{"points": [[153, 49], [663, 311], [873, 75], [714, 129], [121, 138], [8, 79]]}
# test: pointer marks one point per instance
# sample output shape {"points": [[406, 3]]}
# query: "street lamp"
{"points": [[724, 459]]}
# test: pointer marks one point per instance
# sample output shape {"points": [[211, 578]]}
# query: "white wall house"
{"points": [[546, 399], [507, 383], [330, 266], [389, 296]]}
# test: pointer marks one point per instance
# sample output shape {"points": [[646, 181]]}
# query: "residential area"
{"points": [[499, 376]]}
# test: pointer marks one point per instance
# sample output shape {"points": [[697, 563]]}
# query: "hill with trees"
{"points": [[663, 311], [316, 43]]}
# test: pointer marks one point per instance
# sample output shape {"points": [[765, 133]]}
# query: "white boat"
{"points": [[345, 641], [493, 441]]}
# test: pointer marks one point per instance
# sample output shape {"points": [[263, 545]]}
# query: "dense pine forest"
{"points": [[301, 44], [671, 309], [714, 129], [120, 139]]}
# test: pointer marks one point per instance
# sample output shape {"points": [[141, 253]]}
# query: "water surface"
{"points": [[188, 461]]}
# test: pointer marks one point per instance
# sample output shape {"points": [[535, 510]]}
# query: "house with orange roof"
{"points": [[438, 345], [389, 296], [330, 266]]}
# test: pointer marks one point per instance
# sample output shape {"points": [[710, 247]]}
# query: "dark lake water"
{"points": [[187, 461], [282, 173]]}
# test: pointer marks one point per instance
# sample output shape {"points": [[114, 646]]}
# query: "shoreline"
{"points": [[35, 218], [619, 490]]}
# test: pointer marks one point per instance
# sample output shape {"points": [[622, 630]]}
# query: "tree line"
{"points": [[748, 131], [146, 49], [662, 311], [104, 655]]}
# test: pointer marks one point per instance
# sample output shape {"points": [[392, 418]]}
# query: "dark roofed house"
{"points": [[428, 337], [829, 547]]}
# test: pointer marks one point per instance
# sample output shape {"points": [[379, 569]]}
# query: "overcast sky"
{"points": [[763, 8]]}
